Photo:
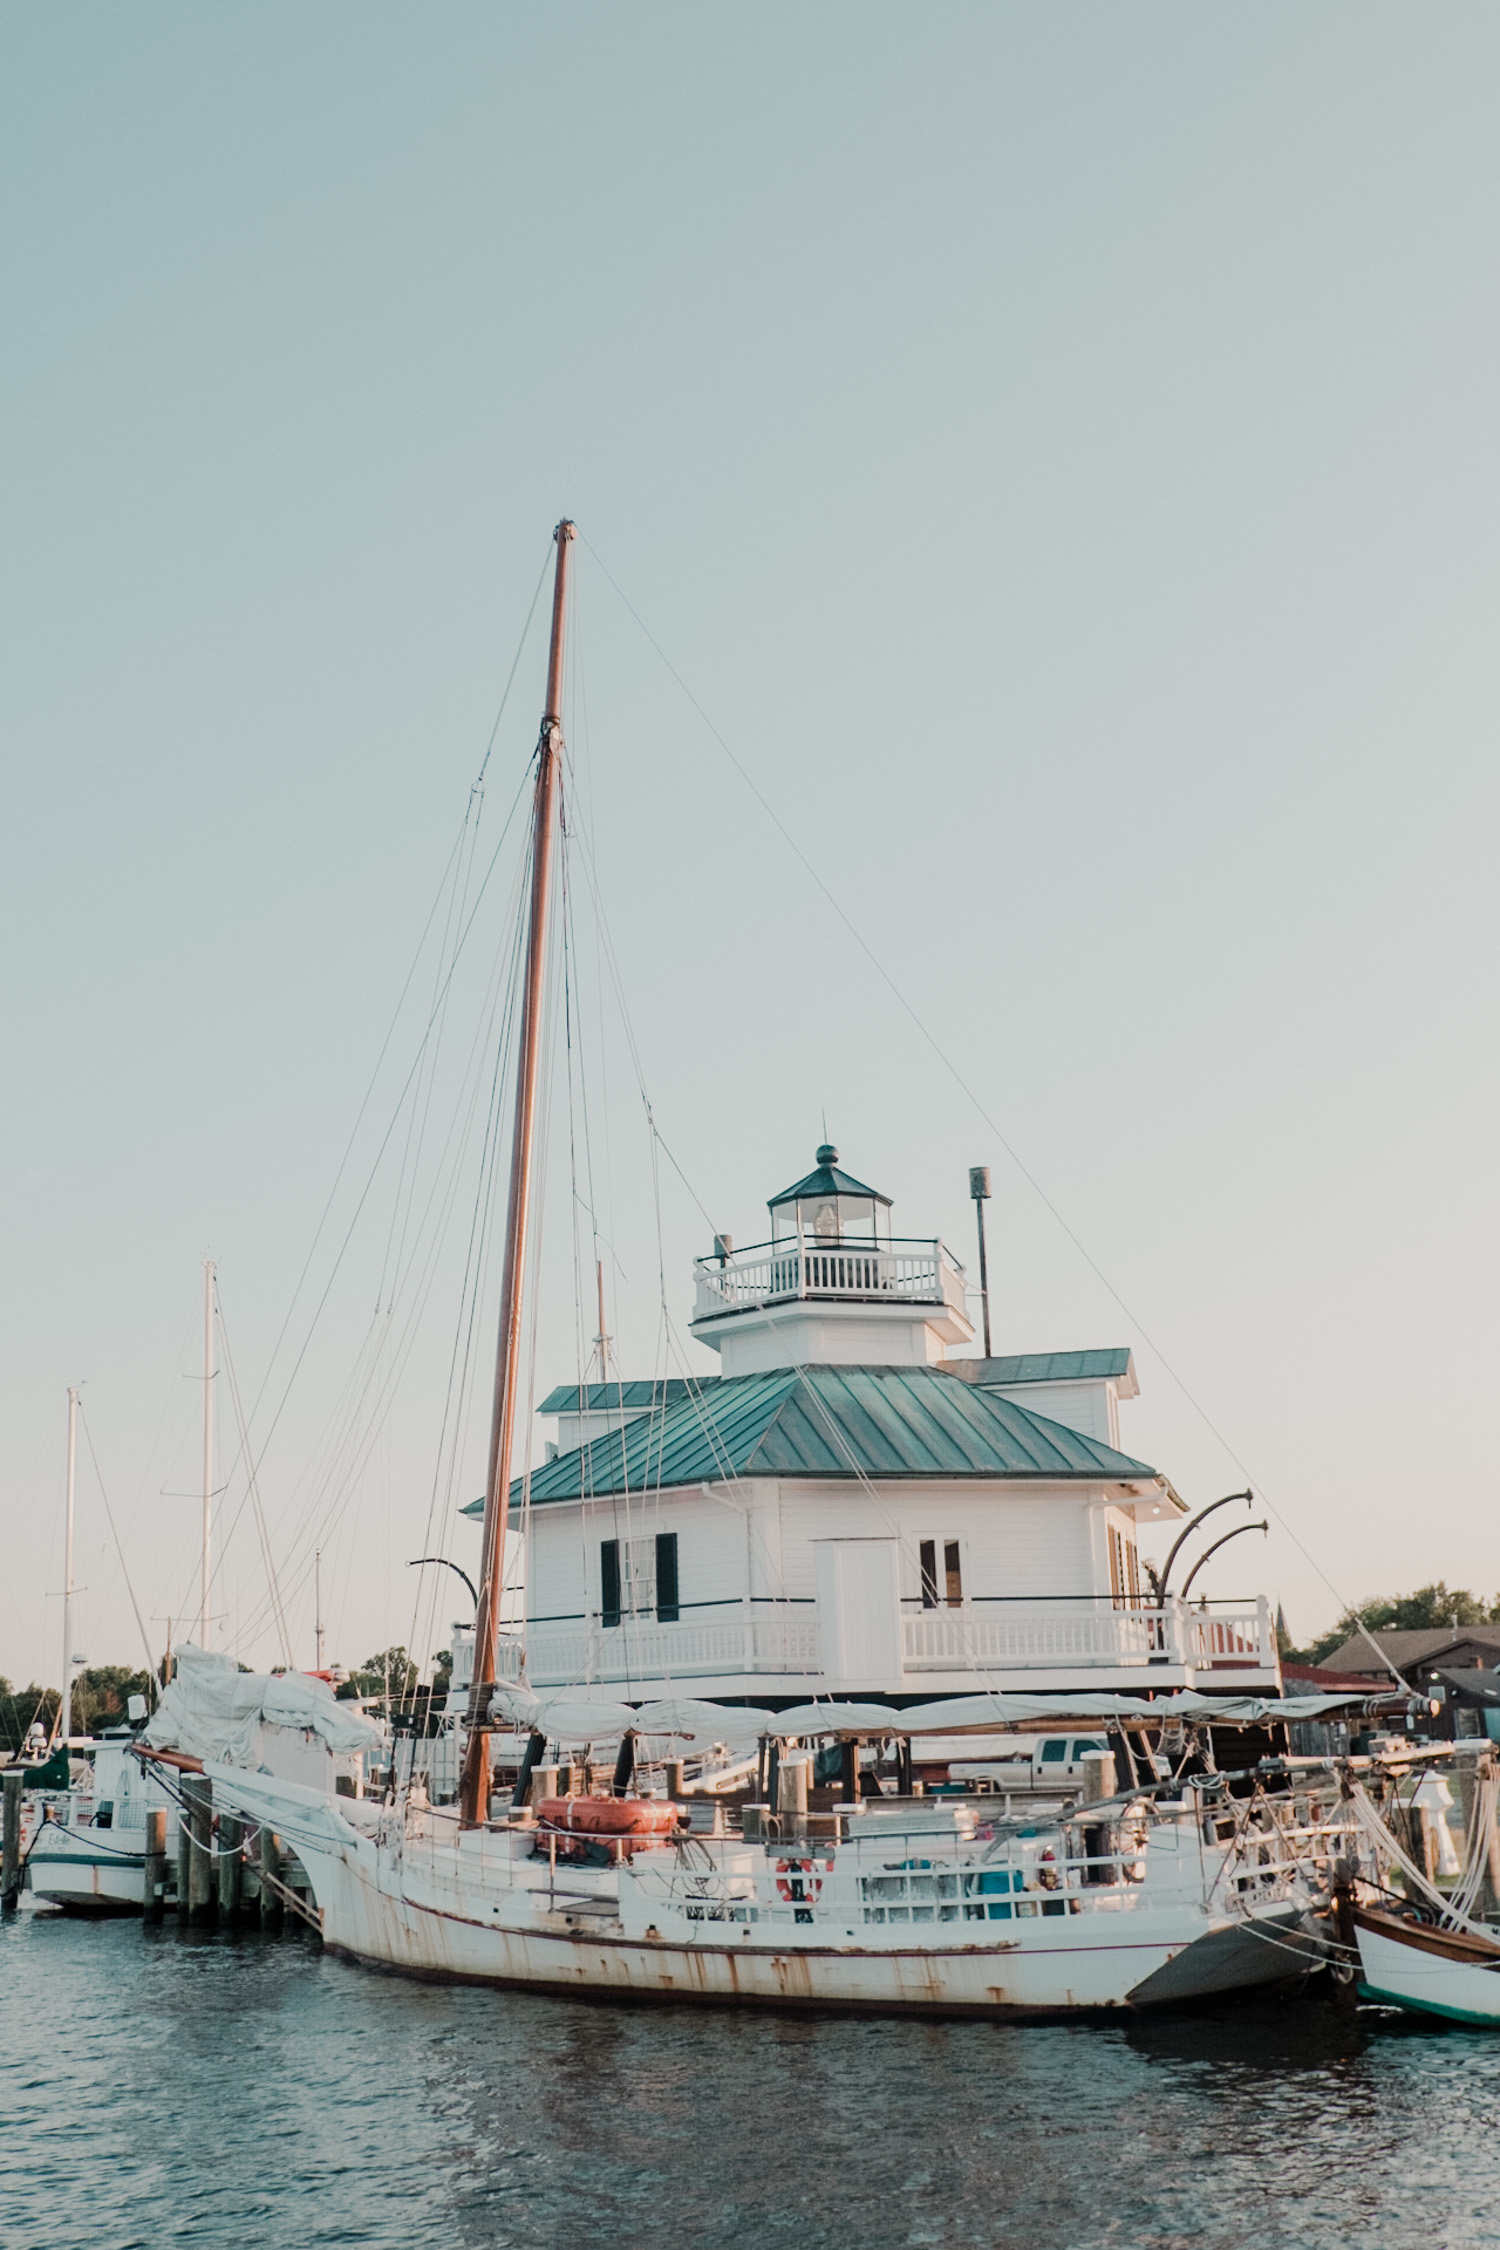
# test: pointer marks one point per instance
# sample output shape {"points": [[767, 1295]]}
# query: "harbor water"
{"points": [[167, 2088]]}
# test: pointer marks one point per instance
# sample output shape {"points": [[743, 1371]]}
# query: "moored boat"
{"points": [[89, 1853], [881, 1494], [1408, 1959]]}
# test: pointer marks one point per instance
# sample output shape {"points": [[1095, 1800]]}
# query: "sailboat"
{"points": [[88, 1854], [1125, 1895]]}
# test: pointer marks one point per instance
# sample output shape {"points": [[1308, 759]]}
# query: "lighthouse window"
{"points": [[1124, 1571], [942, 1574], [638, 1578]]}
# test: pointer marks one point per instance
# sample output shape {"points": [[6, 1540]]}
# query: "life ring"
{"points": [[800, 1880]]}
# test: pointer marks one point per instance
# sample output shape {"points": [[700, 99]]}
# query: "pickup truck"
{"points": [[1031, 1765]]}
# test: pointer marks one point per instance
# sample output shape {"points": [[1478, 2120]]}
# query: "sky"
{"points": [[1033, 701]]}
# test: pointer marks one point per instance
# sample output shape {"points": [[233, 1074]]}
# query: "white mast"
{"points": [[205, 1621], [66, 1714]]}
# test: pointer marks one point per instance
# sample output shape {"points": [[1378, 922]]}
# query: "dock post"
{"points": [[154, 1870], [231, 1865], [200, 1799], [1467, 1774], [270, 1869], [184, 1850], [10, 1862]]}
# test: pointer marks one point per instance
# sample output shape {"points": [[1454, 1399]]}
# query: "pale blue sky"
{"points": [[1058, 447]]}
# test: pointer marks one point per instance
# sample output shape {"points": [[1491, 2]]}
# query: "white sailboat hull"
{"points": [[1411, 1976], [472, 1912], [89, 1870]]}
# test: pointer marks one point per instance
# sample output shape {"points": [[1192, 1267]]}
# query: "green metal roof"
{"points": [[826, 1180], [829, 1422], [1048, 1367], [634, 1398]]}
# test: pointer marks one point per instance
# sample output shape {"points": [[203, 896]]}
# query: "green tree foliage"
{"points": [[391, 1671], [101, 1696], [1429, 1609], [19, 1706]]}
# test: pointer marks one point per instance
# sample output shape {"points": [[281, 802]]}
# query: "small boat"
{"points": [[89, 1853], [1415, 1963]]}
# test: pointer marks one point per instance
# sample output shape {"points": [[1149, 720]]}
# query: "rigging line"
{"points": [[461, 1359], [350, 1452], [380, 1152], [592, 1203], [416, 1115], [364, 1105], [601, 923], [502, 1008], [515, 664], [461, 1354], [252, 1480], [422, 1103], [120, 1551], [961, 1082]]}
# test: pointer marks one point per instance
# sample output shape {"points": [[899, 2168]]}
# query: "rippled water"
{"points": [[165, 2089]]}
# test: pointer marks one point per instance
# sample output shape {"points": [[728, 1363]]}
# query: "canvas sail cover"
{"points": [[213, 1710]]}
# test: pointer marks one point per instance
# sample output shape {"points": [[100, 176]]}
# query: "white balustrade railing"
{"points": [[641, 1649], [912, 1272], [1039, 1635], [981, 1637]]}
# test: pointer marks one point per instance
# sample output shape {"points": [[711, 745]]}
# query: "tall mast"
{"points": [[205, 1620], [474, 1790], [66, 1714]]}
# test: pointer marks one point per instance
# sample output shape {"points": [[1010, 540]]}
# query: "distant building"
{"points": [[1417, 1656]]}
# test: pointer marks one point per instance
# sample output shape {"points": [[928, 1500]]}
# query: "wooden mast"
{"points": [[474, 1789]]}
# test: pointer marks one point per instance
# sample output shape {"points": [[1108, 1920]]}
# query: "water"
{"points": [[162, 2089]]}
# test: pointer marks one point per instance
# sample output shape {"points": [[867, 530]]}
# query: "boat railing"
{"points": [[1273, 1845]]}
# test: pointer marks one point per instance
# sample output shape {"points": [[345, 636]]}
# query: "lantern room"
{"points": [[829, 1206]]}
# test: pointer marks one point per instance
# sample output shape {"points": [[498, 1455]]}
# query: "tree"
{"points": [[19, 1707], [1429, 1609], [101, 1696], [390, 1672]]}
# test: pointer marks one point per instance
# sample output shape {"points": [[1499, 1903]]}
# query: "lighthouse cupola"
{"points": [[829, 1206], [832, 1286]]}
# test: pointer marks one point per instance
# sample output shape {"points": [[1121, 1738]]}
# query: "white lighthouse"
{"points": [[832, 1286]]}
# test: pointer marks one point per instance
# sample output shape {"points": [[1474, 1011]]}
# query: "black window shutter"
{"points": [[666, 1577], [609, 1581]]}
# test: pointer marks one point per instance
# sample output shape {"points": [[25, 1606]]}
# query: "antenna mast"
{"points": [[65, 1715], [205, 1621], [474, 1789]]}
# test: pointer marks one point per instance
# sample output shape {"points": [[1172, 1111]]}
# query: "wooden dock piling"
{"points": [[198, 1796], [1466, 1773], [231, 1866], [270, 1871], [154, 1872], [10, 1853]]}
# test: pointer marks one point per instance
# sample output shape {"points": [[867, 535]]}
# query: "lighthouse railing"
{"points": [[916, 1271]]}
